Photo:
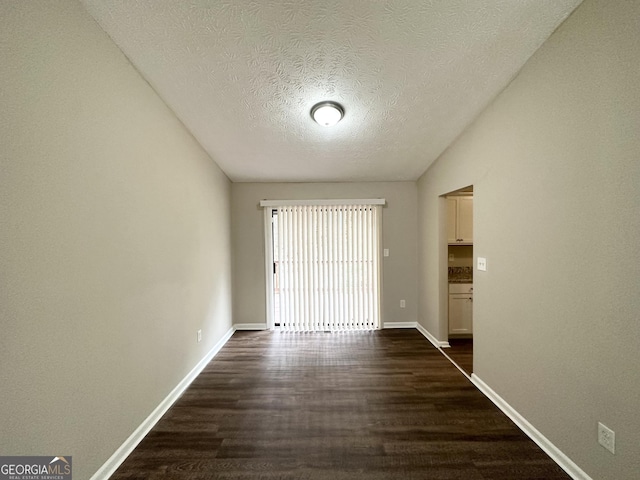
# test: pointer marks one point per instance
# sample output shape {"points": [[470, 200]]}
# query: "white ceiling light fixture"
{"points": [[327, 113]]}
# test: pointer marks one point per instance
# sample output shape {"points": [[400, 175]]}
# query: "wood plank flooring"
{"points": [[369, 405], [461, 352]]}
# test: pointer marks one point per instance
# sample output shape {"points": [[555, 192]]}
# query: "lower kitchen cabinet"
{"points": [[461, 309]]}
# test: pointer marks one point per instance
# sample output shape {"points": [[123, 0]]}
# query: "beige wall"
{"points": [[399, 220], [115, 240], [555, 167]]}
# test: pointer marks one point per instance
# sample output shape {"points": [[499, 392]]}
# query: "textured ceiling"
{"points": [[411, 74]]}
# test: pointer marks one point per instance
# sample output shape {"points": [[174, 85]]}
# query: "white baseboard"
{"points": [[250, 326], [399, 325], [573, 470], [121, 454], [436, 343]]}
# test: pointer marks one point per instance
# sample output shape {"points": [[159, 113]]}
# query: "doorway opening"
{"points": [[459, 277]]}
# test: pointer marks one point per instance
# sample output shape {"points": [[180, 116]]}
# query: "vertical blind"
{"points": [[328, 270]]}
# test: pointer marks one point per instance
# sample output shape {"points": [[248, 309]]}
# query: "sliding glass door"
{"points": [[326, 264]]}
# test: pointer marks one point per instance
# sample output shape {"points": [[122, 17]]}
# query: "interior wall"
{"points": [[399, 235], [555, 169], [115, 240]]}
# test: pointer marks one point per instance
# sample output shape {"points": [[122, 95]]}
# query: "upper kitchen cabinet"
{"points": [[460, 220]]}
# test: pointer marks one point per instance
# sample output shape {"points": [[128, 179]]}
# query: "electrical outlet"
{"points": [[452, 257], [385, 252], [607, 437], [402, 304], [199, 336]]}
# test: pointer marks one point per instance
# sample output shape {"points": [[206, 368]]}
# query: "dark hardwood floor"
{"points": [[370, 405], [461, 352]]}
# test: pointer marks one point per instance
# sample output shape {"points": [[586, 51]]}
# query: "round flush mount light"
{"points": [[328, 113]]}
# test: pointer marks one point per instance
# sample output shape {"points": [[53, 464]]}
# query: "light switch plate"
{"points": [[385, 252], [482, 264]]}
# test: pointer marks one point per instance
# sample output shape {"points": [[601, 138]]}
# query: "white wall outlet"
{"points": [[385, 252], [452, 257], [607, 437], [402, 304], [199, 336], [482, 264]]}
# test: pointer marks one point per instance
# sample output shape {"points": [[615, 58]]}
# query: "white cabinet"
{"points": [[460, 220], [460, 308]]}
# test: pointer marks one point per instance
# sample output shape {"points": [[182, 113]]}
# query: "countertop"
{"points": [[460, 274], [460, 280]]}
